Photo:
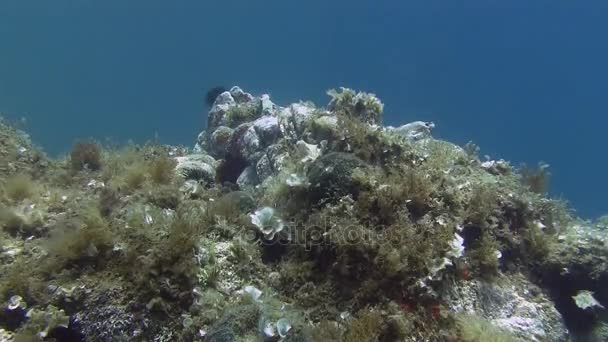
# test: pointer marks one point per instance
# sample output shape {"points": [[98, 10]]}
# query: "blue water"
{"points": [[523, 79]]}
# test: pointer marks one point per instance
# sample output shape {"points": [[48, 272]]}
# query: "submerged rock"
{"points": [[199, 167], [245, 143], [352, 231], [513, 304], [219, 141], [333, 176], [217, 114], [248, 179], [267, 128]]}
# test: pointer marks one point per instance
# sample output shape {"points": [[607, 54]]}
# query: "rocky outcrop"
{"points": [[513, 304], [252, 131]]}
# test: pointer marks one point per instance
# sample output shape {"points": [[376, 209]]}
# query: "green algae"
{"points": [[364, 233]]}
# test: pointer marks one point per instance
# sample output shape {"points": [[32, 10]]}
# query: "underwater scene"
{"points": [[237, 199]]}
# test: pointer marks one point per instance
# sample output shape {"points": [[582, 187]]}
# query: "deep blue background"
{"points": [[523, 79]]}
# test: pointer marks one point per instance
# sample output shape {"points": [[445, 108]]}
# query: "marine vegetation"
{"points": [[292, 223]]}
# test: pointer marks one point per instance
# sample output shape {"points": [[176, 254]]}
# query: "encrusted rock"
{"points": [[363, 106], [245, 143], [239, 95], [217, 114], [271, 162], [294, 119], [267, 129], [219, 141], [240, 199], [307, 152], [332, 175], [202, 142], [513, 304], [496, 167], [248, 178], [267, 106], [578, 263], [197, 167], [323, 128]]}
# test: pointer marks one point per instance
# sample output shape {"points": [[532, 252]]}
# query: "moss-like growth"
{"points": [[20, 187], [24, 279], [210, 304], [235, 321], [135, 177], [109, 199], [84, 240], [164, 196], [24, 222], [242, 113], [405, 190], [476, 329], [367, 226], [117, 163], [162, 170], [10, 221], [370, 143], [185, 231], [482, 202], [241, 251], [483, 255], [41, 323], [538, 244], [327, 331], [331, 176], [364, 106], [86, 154], [232, 206], [367, 327]]}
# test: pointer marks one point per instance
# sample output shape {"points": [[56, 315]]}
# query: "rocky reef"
{"points": [[296, 223]]}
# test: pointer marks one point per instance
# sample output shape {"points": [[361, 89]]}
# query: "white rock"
{"points": [[307, 152], [267, 129], [248, 178], [510, 305], [267, 105], [239, 95]]}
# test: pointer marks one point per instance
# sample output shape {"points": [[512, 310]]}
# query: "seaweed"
{"points": [[481, 204], [20, 187], [162, 170], [134, 177], [84, 240], [367, 226], [243, 113], [483, 255], [476, 329], [86, 154], [363, 106], [536, 179], [367, 327]]}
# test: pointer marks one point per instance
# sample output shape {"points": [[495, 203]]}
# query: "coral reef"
{"points": [[296, 223]]}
